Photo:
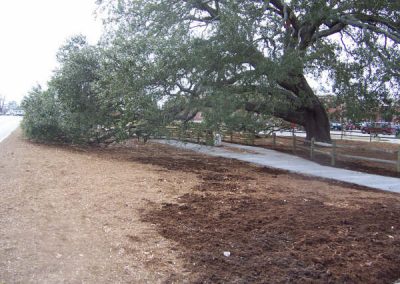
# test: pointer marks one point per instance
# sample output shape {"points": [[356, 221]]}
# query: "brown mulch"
{"points": [[279, 228]]}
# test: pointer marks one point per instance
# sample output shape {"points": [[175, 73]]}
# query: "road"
{"points": [[8, 124]]}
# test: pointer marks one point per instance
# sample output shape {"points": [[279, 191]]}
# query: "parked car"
{"points": [[379, 128], [19, 112], [336, 126], [351, 126], [358, 125]]}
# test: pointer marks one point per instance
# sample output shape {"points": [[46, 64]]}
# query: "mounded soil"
{"points": [[135, 213]]}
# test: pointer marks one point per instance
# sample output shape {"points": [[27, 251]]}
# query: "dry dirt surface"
{"points": [[150, 213]]}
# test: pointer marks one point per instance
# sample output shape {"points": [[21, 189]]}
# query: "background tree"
{"points": [[42, 119], [70, 109], [92, 98], [73, 83]]}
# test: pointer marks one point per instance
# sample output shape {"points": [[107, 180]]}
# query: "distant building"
{"points": [[338, 112], [335, 112]]}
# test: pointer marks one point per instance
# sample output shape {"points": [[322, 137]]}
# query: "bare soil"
{"points": [[150, 213]]}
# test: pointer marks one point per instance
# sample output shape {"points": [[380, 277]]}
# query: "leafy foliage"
{"points": [[261, 50], [239, 62], [91, 99], [42, 116]]}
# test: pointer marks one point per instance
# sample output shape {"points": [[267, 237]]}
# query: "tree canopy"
{"points": [[161, 60], [263, 50]]}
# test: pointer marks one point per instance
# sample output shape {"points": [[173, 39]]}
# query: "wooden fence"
{"points": [[190, 135], [349, 134], [331, 150], [294, 142]]}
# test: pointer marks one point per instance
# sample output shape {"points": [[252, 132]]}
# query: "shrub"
{"points": [[42, 116]]}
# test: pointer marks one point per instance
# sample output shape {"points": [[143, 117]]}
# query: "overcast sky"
{"points": [[31, 32]]}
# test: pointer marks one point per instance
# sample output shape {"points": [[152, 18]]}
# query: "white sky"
{"points": [[31, 32]]}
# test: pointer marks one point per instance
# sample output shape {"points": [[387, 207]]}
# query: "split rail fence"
{"points": [[332, 150], [294, 143]]}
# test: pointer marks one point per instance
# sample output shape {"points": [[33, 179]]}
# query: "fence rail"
{"points": [[357, 134], [331, 150], [296, 143]]}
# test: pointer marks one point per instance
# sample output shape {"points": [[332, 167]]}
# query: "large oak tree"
{"points": [[263, 50]]}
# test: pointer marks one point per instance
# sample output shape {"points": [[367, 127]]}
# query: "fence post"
{"points": [[274, 139], [398, 160], [312, 148], [294, 143], [168, 134], [333, 159], [252, 138]]}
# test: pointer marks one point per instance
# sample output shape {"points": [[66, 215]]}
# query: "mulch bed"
{"points": [[237, 227]]}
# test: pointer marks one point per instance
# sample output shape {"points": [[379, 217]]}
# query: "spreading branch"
{"points": [[354, 21]]}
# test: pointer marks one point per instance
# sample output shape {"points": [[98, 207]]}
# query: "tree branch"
{"points": [[285, 10], [378, 20], [353, 21], [201, 5], [338, 27], [186, 90], [289, 111]]}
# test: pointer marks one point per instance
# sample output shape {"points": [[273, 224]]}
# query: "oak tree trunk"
{"points": [[309, 112], [316, 123]]}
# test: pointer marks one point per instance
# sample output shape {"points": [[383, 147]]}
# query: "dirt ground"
{"points": [[150, 213]]}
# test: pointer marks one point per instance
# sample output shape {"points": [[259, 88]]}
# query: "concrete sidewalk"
{"points": [[275, 159]]}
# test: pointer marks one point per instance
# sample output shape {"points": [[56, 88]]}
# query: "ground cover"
{"points": [[156, 214]]}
